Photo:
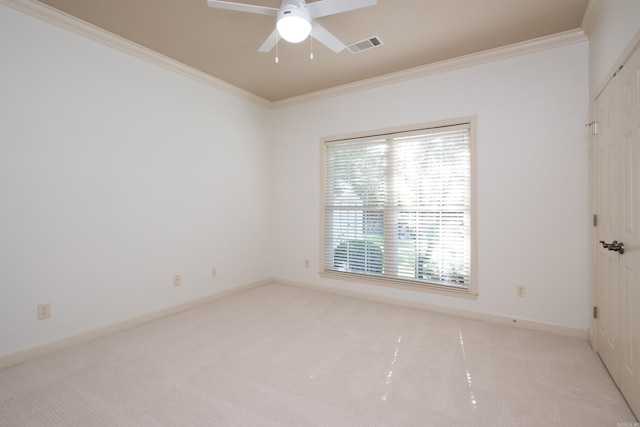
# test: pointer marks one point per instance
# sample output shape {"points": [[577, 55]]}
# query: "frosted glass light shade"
{"points": [[294, 25]]}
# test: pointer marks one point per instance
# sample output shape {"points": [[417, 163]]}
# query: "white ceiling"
{"points": [[224, 43]]}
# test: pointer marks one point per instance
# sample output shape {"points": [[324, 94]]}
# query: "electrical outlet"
{"points": [[521, 291], [176, 280], [306, 263], [214, 272], [44, 311]]}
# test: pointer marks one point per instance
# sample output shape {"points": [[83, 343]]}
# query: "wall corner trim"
{"points": [[591, 16]]}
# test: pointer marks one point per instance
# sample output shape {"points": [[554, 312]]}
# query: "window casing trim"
{"points": [[471, 292]]}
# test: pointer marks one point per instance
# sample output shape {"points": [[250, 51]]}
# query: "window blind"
{"points": [[398, 206]]}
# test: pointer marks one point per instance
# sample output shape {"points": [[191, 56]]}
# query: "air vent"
{"points": [[365, 44]]}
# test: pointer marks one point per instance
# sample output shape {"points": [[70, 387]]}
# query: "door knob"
{"points": [[613, 246]]}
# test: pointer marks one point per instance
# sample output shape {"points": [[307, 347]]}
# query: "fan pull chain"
{"points": [[311, 55], [277, 42]]}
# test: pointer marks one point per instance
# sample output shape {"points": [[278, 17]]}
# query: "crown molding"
{"points": [[71, 23], [78, 26], [591, 16], [505, 52]]}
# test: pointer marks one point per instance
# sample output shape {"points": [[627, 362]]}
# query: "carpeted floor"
{"points": [[278, 355]]}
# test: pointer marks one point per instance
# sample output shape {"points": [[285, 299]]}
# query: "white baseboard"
{"points": [[516, 322], [30, 353]]}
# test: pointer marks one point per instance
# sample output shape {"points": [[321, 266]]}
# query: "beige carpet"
{"points": [[278, 355]]}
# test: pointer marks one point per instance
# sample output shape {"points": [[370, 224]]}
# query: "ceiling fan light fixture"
{"points": [[294, 24]]}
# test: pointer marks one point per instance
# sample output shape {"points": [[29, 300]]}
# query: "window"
{"points": [[398, 208]]}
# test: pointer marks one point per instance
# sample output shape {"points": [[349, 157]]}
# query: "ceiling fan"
{"points": [[296, 19]]}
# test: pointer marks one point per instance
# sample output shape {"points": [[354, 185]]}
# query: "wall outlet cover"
{"points": [[44, 311]]}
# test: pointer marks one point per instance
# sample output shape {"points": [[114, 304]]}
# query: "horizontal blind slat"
{"points": [[399, 206]]}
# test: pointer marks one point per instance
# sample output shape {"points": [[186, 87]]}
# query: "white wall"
{"points": [[617, 24], [532, 176], [115, 175]]}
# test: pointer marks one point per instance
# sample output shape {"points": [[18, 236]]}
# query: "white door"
{"points": [[608, 286], [629, 140], [618, 209]]}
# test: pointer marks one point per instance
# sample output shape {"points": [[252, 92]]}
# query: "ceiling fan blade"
{"points": [[270, 42], [321, 34], [242, 7], [331, 7]]}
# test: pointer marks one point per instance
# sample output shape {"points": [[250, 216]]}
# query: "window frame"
{"points": [[469, 293]]}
